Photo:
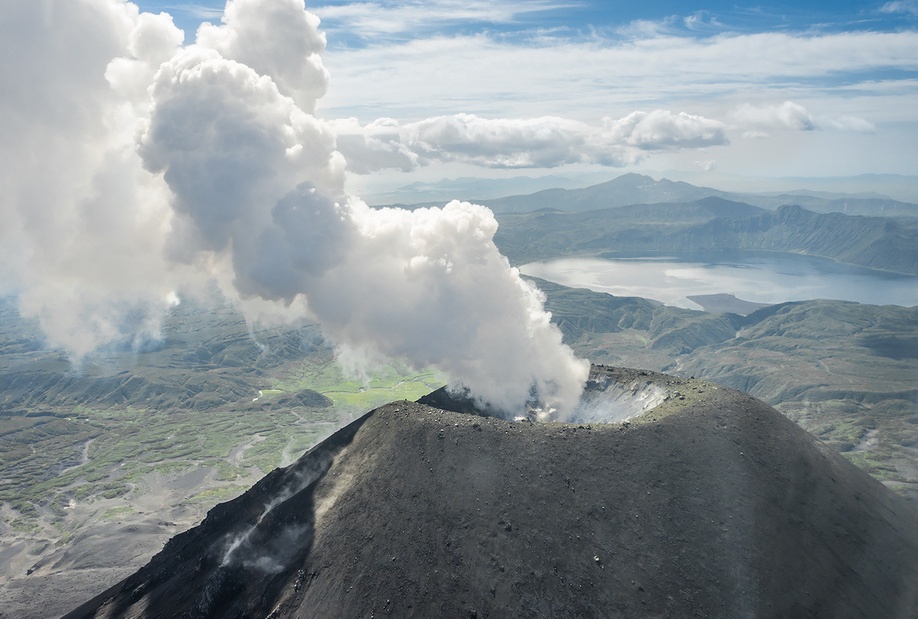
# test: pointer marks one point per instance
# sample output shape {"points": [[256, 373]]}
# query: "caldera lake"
{"points": [[756, 276]]}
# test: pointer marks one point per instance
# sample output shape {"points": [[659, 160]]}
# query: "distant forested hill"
{"points": [[711, 224]]}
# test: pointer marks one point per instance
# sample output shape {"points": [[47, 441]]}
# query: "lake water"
{"points": [[760, 277]]}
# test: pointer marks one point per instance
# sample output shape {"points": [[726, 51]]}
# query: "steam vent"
{"points": [[705, 503]]}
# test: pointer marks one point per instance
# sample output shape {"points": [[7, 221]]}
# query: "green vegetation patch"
{"points": [[116, 512], [349, 394]]}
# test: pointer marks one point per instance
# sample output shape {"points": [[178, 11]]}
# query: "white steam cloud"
{"points": [[134, 171]]}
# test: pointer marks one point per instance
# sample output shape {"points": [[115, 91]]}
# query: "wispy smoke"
{"points": [[267, 545], [136, 171]]}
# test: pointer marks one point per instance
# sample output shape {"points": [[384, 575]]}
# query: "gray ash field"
{"points": [[709, 503]]}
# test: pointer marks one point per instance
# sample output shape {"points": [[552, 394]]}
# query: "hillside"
{"points": [[844, 371], [621, 191], [872, 242], [711, 504], [711, 224]]}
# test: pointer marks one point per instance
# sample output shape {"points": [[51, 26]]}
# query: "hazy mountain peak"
{"points": [[633, 188]]}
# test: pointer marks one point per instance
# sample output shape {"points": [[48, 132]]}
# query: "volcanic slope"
{"points": [[709, 503]]}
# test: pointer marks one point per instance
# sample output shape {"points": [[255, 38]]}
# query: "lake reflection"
{"points": [[761, 277]]}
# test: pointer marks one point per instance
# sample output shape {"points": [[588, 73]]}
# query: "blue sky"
{"points": [[580, 16], [723, 90]]}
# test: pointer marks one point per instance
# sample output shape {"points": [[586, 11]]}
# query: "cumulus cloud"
{"points": [[585, 77], [785, 116], [759, 121], [375, 146], [524, 143], [663, 130], [276, 39], [137, 171], [502, 143]]}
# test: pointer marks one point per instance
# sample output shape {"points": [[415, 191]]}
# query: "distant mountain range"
{"points": [[631, 189], [675, 216], [639, 189], [450, 188]]}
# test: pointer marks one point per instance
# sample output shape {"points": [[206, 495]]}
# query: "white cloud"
{"points": [[376, 146], [663, 130], [278, 39], [706, 164], [757, 121], [504, 143], [703, 21], [785, 116], [373, 20], [544, 142], [587, 79], [848, 123], [909, 7]]}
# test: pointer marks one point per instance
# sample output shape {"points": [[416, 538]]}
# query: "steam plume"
{"points": [[140, 171]]}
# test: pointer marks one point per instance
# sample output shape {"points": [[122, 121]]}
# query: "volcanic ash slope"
{"points": [[710, 504]]}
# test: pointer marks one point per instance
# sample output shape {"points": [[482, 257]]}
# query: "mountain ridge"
{"points": [[711, 224], [632, 188], [901, 188]]}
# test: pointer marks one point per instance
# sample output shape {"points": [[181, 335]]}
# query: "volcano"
{"points": [[689, 500]]}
